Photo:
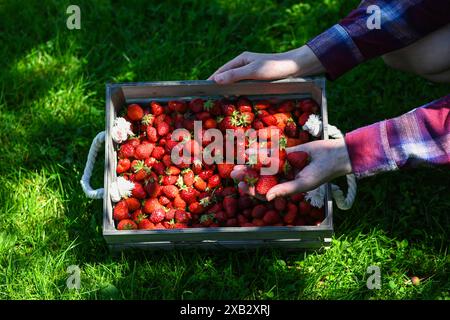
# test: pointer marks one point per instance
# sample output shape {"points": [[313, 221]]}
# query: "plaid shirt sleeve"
{"points": [[351, 41], [421, 136]]}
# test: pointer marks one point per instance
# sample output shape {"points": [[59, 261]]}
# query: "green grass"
{"points": [[52, 88]]}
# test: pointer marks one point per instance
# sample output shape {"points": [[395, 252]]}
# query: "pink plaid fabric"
{"points": [[419, 137]]}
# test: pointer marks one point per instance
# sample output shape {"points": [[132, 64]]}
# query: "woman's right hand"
{"points": [[263, 66]]}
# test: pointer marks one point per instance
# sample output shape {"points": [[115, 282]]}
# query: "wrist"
{"points": [[307, 62], [341, 157]]}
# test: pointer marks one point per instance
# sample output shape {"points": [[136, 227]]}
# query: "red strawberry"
{"points": [[220, 216], [317, 213], [188, 177], [304, 208], [197, 167], [138, 191], [247, 212], [133, 204], [159, 168], [140, 170], [121, 211], [229, 122], [262, 105], [230, 205], [127, 224], [169, 180], [203, 116], [286, 106], [178, 106], [200, 184], [157, 109], [143, 151], [231, 222], [170, 191], [303, 118], [225, 169], [215, 208], [229, 191], [247, 118], [282, 119], [182, 216], [207, 220], [148, 119], [265, 183], [179, 203], [163, 128], [280, 204], [163, 200], [146, 224], [172, 170], [269, 120], [214, 181], [123, 165], [170, 144], [189, 195], [196, 105], [307, 105], [135, 112], [297, 197], [206, 174], [291, 129], [244, 105], [258, 211], [210, 123], [258, 124], [152, 134], [138, 215], [150, 205], [157, 215], [170, 214], [153, 188], [158, 153], [228, 109], [303, 136], [126, 151], [196, 208], [257, 222], [167, 161], [271, 217], [245, 202], [291, 215], [241, 219], [298, 159]]}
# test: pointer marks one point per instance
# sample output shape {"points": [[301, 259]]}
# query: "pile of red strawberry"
{"points": [[167, 196]]}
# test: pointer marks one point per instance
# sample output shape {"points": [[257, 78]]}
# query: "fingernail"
{"points": [[219, 78]]}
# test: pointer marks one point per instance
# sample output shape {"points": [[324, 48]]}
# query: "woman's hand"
{"points": [[329, 160], [262, 66]]}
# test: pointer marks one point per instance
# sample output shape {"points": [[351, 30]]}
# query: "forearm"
{"points": [[421, 136]]}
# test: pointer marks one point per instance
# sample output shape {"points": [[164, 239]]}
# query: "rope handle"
{"points": [[86, 178]]}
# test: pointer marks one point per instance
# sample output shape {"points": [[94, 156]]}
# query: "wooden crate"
{"points": [[118, 95]]}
